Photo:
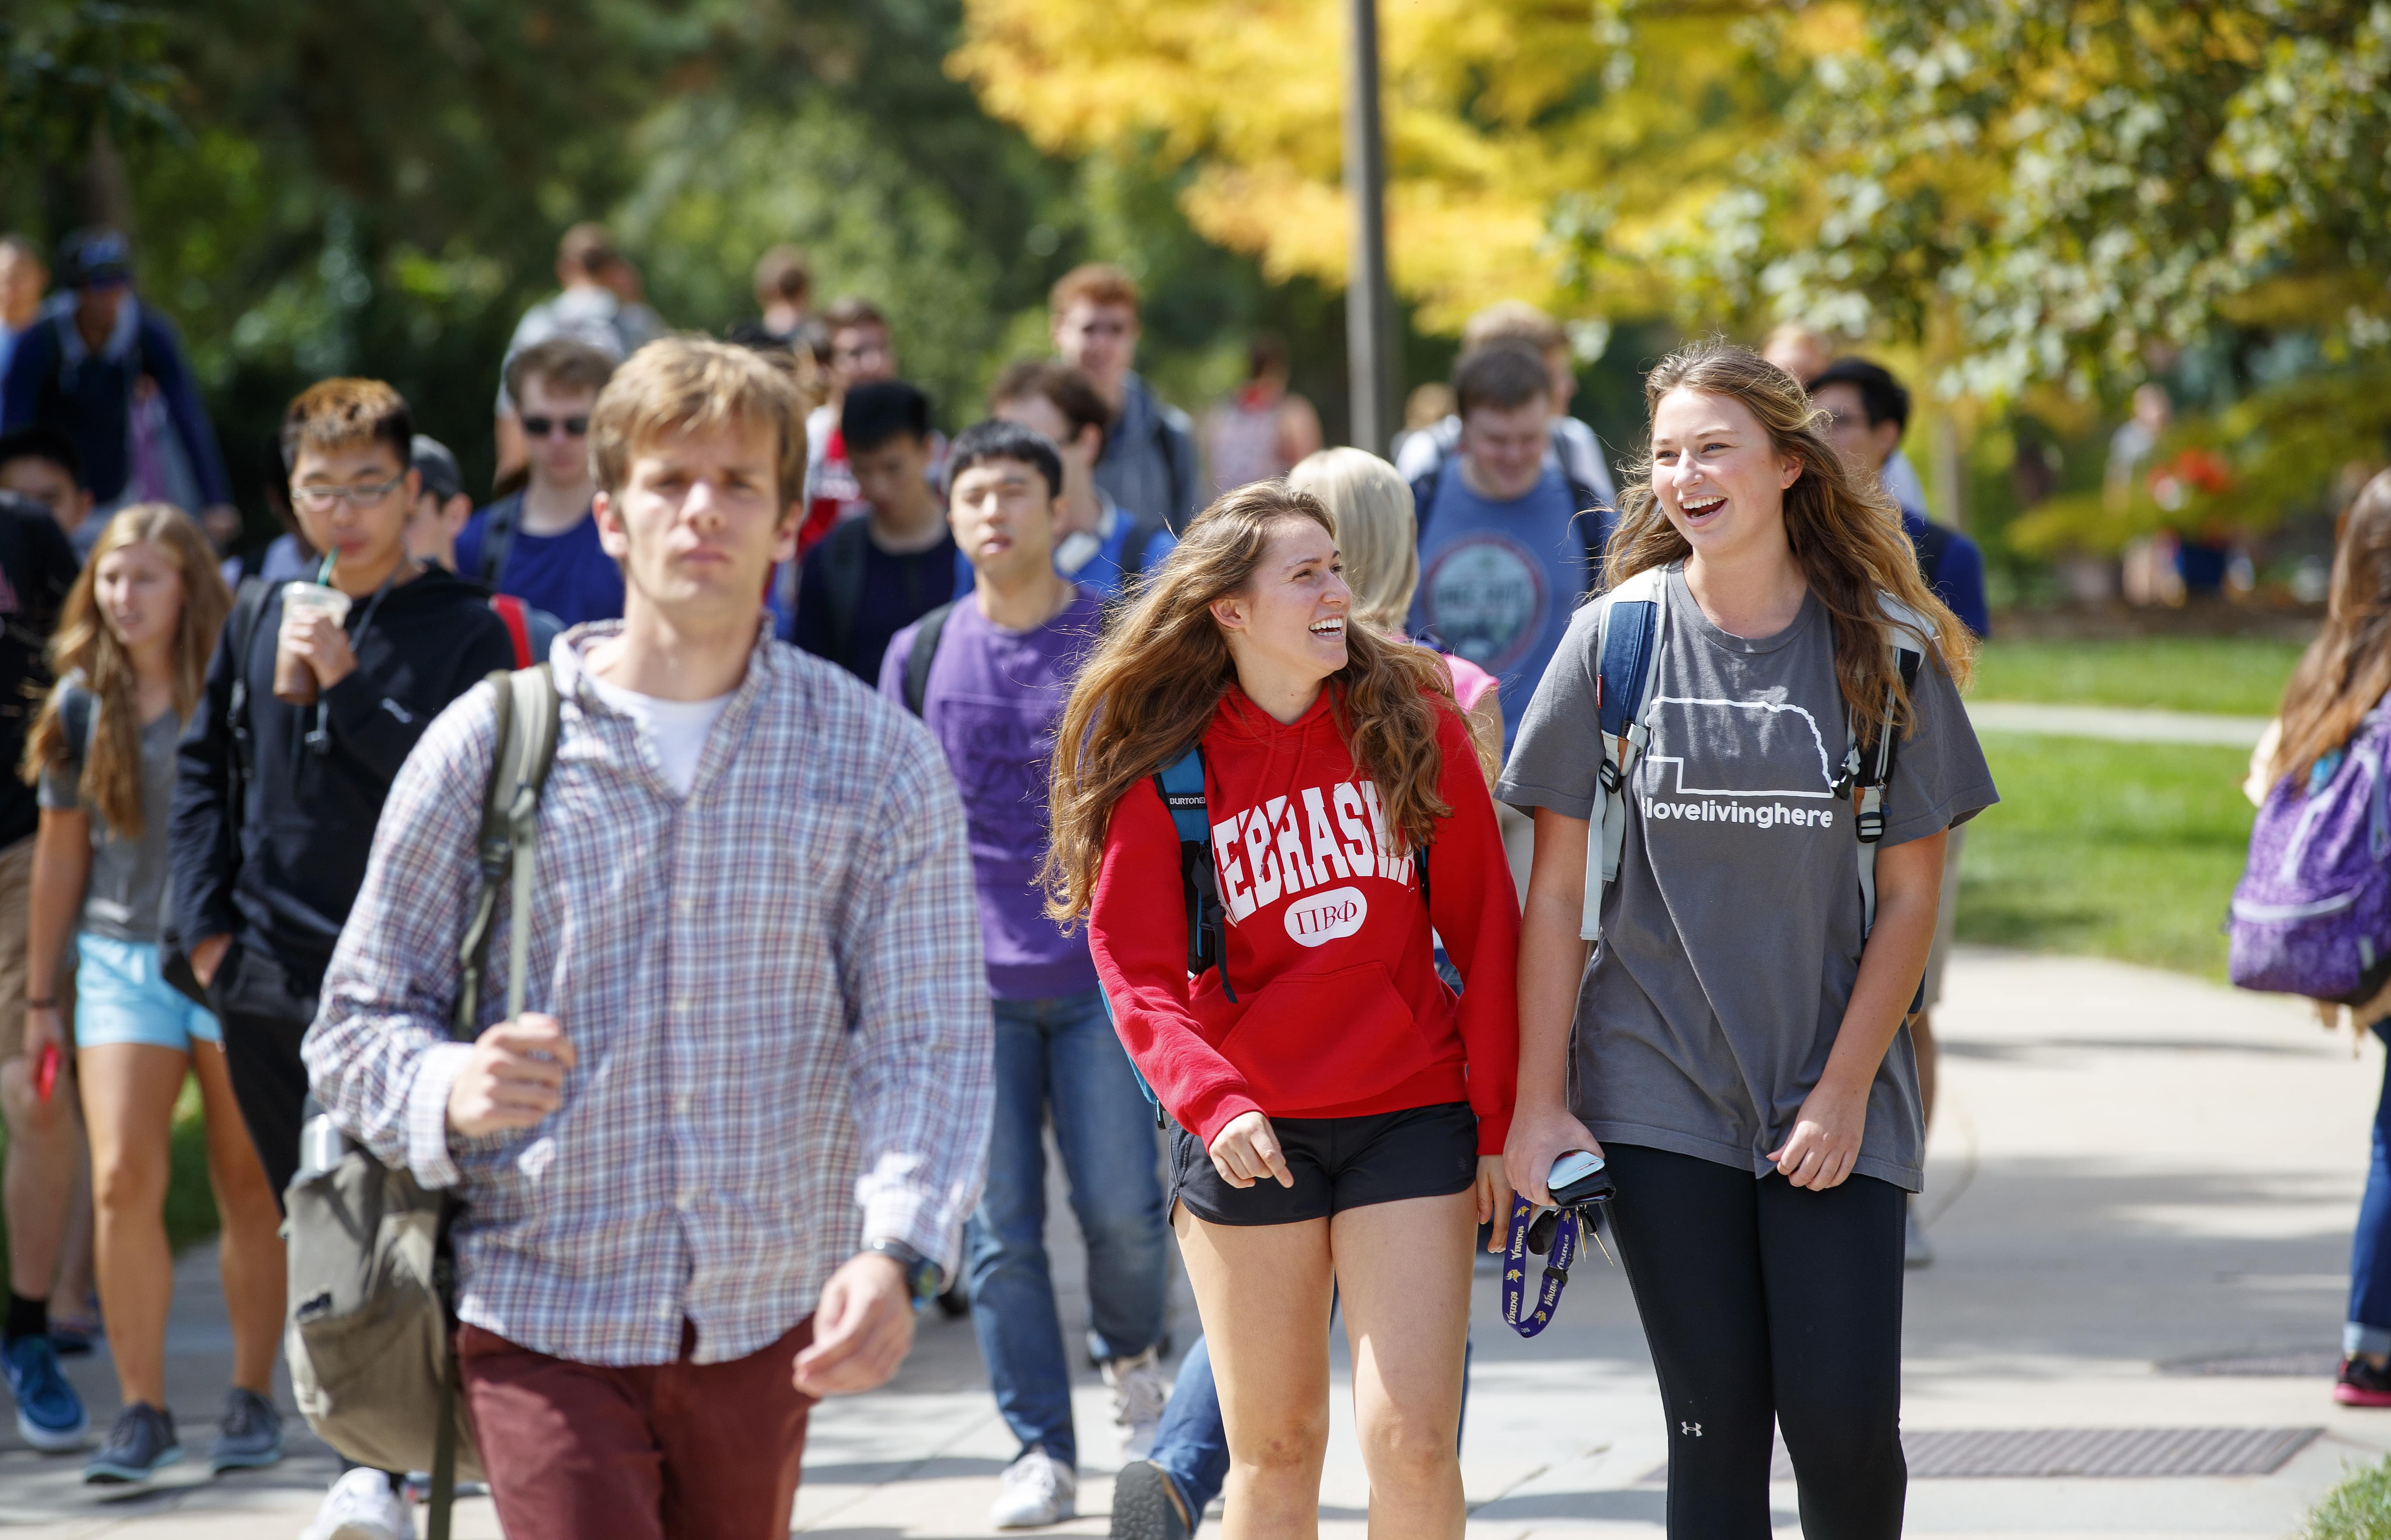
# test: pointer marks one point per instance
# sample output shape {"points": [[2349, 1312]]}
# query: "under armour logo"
{"points": [[1690, 1430]]}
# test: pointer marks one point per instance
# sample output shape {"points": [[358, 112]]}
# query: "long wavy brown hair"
{"points": [[1845, 531], [1149, 689], [110, 783], [2347, 668]]}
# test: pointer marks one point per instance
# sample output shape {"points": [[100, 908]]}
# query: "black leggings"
{"points": [[1764, 1305]]}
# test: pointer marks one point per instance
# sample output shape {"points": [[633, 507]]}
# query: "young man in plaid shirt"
{"points": [[754, 1000]]}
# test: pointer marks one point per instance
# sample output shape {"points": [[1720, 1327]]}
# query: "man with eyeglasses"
{"points": [[275, 803], [1148, 465], [539, 543]]}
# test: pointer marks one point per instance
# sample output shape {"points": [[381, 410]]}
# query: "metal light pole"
{"points": [[1367, 311]]}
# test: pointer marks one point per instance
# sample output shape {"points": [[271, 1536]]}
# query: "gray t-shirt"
{"points": [[1731, 938], [126, 894]]}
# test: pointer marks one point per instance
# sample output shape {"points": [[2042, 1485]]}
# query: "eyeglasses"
{"points": [[540, 427], [320, 500]]}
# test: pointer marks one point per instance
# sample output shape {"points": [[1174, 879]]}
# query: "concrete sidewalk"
{"points": [[2120, 724], [2134, 1175]]}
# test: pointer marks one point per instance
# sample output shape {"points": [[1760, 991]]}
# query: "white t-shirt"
{"points": [[677, 730]]}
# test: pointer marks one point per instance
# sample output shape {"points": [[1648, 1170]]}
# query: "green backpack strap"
{"points": [[528, 711]]}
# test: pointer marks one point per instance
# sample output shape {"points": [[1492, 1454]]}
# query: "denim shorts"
{"points": [[120, 997]]}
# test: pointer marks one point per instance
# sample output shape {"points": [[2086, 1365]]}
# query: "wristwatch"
{"points": [[924, 1279]]}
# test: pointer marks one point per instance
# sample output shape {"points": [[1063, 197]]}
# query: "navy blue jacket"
{"points": [[91, 402]]}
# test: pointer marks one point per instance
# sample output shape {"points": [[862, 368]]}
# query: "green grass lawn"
{"points": [[191, 1207], [2360, 1509], [2124, 850], [2233, 676]]}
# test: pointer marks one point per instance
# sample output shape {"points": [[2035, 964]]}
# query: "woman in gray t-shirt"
{"points": [[132, 649], [1733, 1045]]}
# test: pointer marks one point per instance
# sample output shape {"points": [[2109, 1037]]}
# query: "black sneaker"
{"points": [[2361, 1384], [140, 1444], [1146, 1505], [249, 1435]]}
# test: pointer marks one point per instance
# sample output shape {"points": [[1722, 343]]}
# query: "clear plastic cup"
{"points": [[294, 681]]}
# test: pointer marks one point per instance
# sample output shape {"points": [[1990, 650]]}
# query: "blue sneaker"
{"points": [[49, 1414], [141, 1444], [250, 1435]]}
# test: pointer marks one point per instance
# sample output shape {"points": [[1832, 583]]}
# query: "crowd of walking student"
{"points": [[1302, 859]]}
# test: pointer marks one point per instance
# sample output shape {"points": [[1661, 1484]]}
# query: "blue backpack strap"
{"points": [[1626, 659], [1181, 784], [1627, 642]]}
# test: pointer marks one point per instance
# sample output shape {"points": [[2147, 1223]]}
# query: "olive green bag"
{"points": [[372, 1283]]}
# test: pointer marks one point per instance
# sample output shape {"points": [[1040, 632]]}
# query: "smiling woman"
{"points": [[1761, 1165], [1339, 1110]]}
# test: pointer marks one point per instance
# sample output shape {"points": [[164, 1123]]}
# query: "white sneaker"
{"points": [[361, 1507], [1139, 1395], [1915, 1252], [1035, 1490]]}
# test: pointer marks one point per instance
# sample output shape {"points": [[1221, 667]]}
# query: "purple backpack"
{"points": [[2312, 915]]}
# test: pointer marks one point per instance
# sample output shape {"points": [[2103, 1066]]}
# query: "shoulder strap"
{"points": [[514, 613], [1169, 435], [1627, 667], [1424, 500], [1875, 745], [78, 718], [1134, 546], [1181, 786], [843, 557], [498, 538], [528, 712], [1593, 521], [240, 634], [1932, 544], [925, 651]]}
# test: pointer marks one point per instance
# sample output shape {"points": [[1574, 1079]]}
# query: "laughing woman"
{"points": [[1339, 1112], [1737, 1036]]}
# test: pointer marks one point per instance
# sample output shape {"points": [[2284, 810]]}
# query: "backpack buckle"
{"points": [[1610, 776], [1871, 826]]}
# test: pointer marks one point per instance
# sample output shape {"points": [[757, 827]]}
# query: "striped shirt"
{"points": [[773, 987]]}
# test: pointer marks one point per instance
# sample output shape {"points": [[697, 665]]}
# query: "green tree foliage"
{"points": [[379, 188]]}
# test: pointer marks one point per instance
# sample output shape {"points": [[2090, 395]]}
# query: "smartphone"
{"points": [[1579, 1176], [45, 1071]]}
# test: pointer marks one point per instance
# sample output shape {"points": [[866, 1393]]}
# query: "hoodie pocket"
{"points": [[1327, 1039]]}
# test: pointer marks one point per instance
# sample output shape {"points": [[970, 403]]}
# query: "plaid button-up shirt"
{"points": [[773, 987]]}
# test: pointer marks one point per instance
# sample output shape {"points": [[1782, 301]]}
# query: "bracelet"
{"points": [[46, 1003]]}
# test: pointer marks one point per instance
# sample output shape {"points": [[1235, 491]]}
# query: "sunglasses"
{"points": [[540, 427]]}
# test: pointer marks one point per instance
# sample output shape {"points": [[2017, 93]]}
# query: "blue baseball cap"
{"points": [[95, 259]]}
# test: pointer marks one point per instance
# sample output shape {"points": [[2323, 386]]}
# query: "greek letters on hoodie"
{"points": [[1338, 1010]]}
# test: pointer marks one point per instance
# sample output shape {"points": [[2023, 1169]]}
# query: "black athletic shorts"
{"points": [[1338, 1163]]}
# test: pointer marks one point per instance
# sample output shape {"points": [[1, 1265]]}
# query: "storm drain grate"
{"points": [[1962, 1454], [2289, 1366]]}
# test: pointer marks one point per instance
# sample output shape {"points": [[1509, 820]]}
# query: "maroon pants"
{"points": [[658, 1452]]}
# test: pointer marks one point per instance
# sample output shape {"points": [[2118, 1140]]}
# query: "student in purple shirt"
{"points": [[989, 673]]}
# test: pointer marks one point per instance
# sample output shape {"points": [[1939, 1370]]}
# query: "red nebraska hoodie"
{"points": [[1338, 1010]]}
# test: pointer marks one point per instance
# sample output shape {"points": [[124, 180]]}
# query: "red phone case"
{"points": [[45, 1071]]}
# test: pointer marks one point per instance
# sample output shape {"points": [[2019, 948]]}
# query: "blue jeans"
{"points": [[2369, 1328], [1060, 1054]]}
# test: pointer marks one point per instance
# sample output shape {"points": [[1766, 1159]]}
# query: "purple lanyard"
{"points": [[1560, 1259]]}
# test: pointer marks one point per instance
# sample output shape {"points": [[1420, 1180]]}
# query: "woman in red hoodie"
{"points": [[1340, 1112]]}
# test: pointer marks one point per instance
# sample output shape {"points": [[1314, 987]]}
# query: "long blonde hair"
{"points": [[110, 783], [2347, 668], [1150, 689], [1845, 534], [1378, 530]]}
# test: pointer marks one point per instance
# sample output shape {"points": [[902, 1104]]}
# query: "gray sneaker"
{"points": [[141, 1443], [249, 1435]]}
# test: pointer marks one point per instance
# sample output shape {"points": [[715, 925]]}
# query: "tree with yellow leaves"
{"points": [[1516, 129]]}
